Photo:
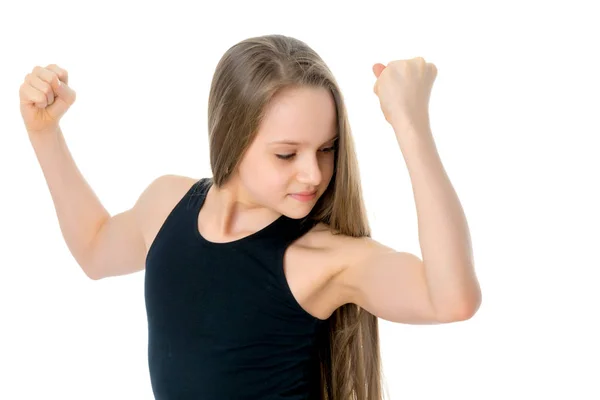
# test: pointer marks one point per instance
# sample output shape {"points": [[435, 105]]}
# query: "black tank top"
{"points": [[222, 320]]}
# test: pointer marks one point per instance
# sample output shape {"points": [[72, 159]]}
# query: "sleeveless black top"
{"points": [[222, 320]]}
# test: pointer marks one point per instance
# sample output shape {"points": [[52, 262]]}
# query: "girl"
{"points": [[262, 282]]}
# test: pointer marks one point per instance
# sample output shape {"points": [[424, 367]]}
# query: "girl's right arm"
{"points": [[102, 245]]}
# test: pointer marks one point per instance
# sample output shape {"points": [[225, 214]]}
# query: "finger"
{"points": [[61, 86], [50, 76], [44, 87], [31, 95], [433, 71], [63, 75]]}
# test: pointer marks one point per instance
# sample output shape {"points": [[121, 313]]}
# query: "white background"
{"points": [[514, 114]]}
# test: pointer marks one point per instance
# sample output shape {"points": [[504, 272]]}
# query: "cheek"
{"points": [[264, 177], [272, 181], [327, 168], [278, 179]]}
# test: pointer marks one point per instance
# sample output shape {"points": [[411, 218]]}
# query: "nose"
{"points": [[310, 172]]}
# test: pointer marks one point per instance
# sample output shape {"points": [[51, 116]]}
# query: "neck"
{"points": [[232, 211]]}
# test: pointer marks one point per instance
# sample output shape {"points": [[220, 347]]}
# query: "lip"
{"points": [[306, 193], [304, 196]]}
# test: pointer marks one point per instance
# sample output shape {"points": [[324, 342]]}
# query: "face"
{"points": [[293, 153]]}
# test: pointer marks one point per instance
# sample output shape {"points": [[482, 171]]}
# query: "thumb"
{"points": [[65, 97], [378, 69]]}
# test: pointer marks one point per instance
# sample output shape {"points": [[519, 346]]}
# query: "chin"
{"points": [[298, 210], [296, 214]]}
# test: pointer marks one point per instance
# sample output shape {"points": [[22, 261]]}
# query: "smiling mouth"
{"points": [[306, 193], [304, 197]]}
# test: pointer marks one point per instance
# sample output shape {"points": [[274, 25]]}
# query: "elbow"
{"points": [[88, 266], [90, 272], [93, 277], [462, 310]]}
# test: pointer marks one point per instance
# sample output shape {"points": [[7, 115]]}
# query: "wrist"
{"points": [[36, 136]]}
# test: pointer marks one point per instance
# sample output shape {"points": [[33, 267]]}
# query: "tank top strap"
{"points": [[194, 198]]}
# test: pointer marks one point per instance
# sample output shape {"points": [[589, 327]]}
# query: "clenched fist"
{"points": [[45, 97], [403, 88]]}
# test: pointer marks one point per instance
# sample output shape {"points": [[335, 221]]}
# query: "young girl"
{"points": [[262, 282]]}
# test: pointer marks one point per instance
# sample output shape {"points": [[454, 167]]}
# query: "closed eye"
{"points": [[285, 156], [291, 155]]}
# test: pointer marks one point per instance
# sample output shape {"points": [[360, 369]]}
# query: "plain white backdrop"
{"points": [[514, 114]]}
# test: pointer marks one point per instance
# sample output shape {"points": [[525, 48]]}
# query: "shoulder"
{"points": [[158, 200], [170, 187], [164, 192]]}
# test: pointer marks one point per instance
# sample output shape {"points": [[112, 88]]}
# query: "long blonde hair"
{"points": [[246, 78]]}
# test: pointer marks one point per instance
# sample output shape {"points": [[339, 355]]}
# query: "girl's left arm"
{"points": [[399, 286], [444, 235]]}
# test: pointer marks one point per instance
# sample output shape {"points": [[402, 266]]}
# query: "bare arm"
{"points": [[80, 213], [121, 244], [102, 245]]}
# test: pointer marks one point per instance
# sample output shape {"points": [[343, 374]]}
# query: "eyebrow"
{"points": [[292, 142]]}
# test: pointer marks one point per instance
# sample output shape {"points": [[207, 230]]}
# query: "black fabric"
{"points": [[222, 321]]}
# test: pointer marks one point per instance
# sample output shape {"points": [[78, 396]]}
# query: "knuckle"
{"points": [[55, 69], [47, 89], [60, 72], [53, 77]]}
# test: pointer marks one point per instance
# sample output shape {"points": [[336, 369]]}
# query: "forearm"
{"points": [[443, 231], [80, 213]]}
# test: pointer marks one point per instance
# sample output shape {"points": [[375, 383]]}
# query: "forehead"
{"points": [[304, 115]]}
